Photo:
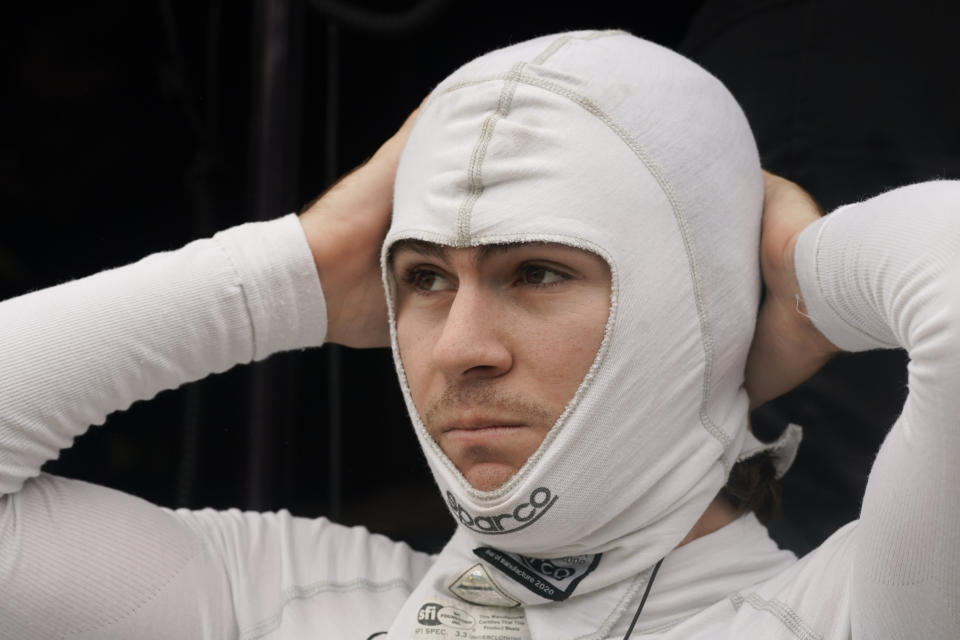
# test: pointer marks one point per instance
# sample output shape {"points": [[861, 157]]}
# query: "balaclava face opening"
{"points": [[615, 145]]}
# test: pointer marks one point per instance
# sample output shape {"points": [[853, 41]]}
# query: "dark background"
{"points": [[133, 127]]}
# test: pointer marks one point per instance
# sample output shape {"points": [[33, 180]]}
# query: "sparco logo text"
{"points": [[522, 516]]}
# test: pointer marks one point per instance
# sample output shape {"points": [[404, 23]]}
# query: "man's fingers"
{"points": [[787, 210], [787, 198]]}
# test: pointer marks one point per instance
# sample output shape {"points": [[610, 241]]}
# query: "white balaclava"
{"points": [[615, 145]]}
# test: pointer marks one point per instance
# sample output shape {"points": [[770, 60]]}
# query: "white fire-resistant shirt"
{"points": [[81, 561]]}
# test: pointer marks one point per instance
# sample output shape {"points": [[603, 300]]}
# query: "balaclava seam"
{"points": [[512, 79], [625, 149], [565, 239], [475, 192], [475, 189], [658, 175], [475, 184]]}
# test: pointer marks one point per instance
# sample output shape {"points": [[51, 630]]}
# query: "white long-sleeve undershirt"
{"points": [[886, 273], [82, 561]]}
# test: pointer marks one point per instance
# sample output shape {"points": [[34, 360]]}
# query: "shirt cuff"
{"points": [[280, 284], [829, 273]]}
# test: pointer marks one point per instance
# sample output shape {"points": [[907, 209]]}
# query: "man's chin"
{"points": [[488, 476]]}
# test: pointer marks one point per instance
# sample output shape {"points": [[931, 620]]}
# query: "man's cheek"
{"points": [[424, 383]]}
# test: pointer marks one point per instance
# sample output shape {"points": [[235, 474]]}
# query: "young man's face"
{"points": [[495, 341]]}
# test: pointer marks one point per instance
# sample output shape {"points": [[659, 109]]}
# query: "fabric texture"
{"points": [[880, 274], [813, 77], [615, 145], [82, 561], [87, 562]]}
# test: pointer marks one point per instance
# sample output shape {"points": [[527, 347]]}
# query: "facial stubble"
{"points": [[484, 398]]}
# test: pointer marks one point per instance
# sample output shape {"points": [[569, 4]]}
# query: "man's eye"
{"points": [[540, 275], [425, 280]]}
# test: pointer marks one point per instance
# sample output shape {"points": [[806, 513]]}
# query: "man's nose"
{"points": [[473, 343]]}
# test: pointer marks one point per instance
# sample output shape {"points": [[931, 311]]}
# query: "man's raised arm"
{"points": [[881, 274], [86, 561], [74, 353]]}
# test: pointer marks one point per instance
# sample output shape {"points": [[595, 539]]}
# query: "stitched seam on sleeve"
{"points": [[305, 592], [821, 289], [243, 293]]}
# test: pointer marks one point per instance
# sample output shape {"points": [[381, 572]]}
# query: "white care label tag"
{"points": [[444, 617], [477, 587]]}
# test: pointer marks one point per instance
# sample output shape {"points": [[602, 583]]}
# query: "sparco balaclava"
{"points": [[615, 145]]}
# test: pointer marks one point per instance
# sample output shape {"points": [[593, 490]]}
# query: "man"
{"points": [[571, 283]]}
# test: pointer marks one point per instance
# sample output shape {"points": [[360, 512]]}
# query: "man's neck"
{"points": [[718, 514]]}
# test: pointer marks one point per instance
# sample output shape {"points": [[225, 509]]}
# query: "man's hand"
{"points": [[787, 348], [345, 229]]}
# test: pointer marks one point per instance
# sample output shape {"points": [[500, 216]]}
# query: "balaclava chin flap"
{"points": [[610, 143]]}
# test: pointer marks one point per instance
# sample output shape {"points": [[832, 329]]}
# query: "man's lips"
{"points": [[480, 428]]}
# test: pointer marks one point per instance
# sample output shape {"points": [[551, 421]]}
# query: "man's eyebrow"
{"points": [[489, 250], [440, 251], [422, 247]]}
